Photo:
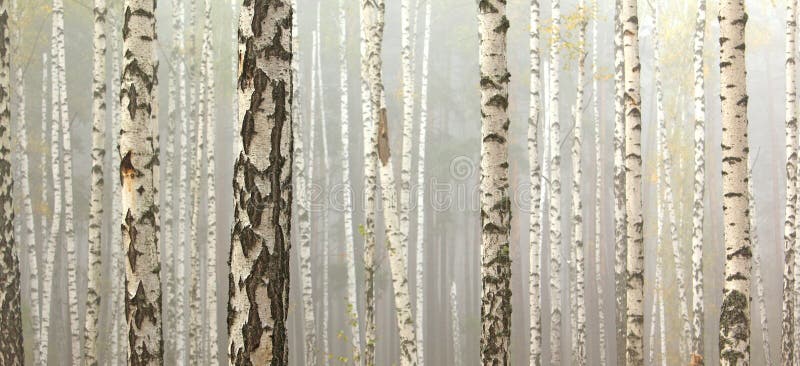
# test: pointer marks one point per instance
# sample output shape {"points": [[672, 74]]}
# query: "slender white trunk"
{"points": [[306, 228], [789, 228], [118, 333], [407, 69], [262, 190], [456, 323], [620, 229], [555, 188], [578, 296], [662, 329], [93, 298], [757, 272], [183, 167], [44, 167], [350, 260], [212, 351], [698, 208], [734, 335], [423, 126], [601, 319], [534, 279]]}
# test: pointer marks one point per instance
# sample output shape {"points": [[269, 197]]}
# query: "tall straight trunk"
{"points": [[620, 220], [578, 296], [55, 230], [118, 333], [535, 228], [44, 168], [598, 203], [69, 226], [139, 187], [495, 202], [370, 185], [350, 259], [93, 297], [666, 161], [757, 271], [407, 69], [734, 334], [423, 126], [657, 290], [183, 174], [456, 322], [662, 329], [306, 227], [11, 343], [391, 208], [212, 352], [789, 229], [633, 187], [261, 235], [555, 189], [698, 208]]}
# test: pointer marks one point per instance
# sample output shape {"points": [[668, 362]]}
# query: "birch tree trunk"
{"points": [[698, 208], [183, 174], [601, 319], [734, 334], [423, 125], [93, 297], [762, 306], [555, 189], [578, 296], [370, 184], [139, 187], [212, 352], [620, 219], [407, 55], [44, 210], [534, 279], [11, 343], [456, 324], [495, 202], [261, 240], [66, 156], [633, 187], [350, 259], [789, 228]]}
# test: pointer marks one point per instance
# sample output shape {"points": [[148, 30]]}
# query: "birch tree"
{"points": [[698, 208], [535, 228], [11, 348], [139, 188], [407, 55], [620, 220], [601, 319], [309, 306], [762, 306], [93, 297], [495, 201], [260, 239], [183, 174], [211, 347], [350, 259], [579, 331], [789, 228], [734, 334], [555, 188]]}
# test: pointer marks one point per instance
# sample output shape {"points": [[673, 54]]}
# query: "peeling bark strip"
{"points": [[11, 350], [789, 227], [734, 332], [262, 190], [495, 202], [139, 209], [634, 348], [96, 204], [698, 209]]}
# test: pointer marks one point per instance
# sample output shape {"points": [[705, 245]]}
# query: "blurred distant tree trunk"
{"points": [[495, 203], [210, 121], [43, 210], [698, 207], [620, 230], [601, 319], [789, 228], [734, 336], [757, 272], [457, 351], [11, 343], [534, 112], [261, 235], [95, 269], [423, 130], [555, 188], [139, 185], [350, 260], [367, 15], [183, 118], [577, 250], [633, 186], [407, 69]]}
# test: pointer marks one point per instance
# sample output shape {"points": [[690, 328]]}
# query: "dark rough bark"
{"points": [[260, 240], [11, 351]]}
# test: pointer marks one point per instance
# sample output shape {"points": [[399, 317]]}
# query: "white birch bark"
{"points": [[11, 345], [183, 174], [261, 235], [555, 188], [43, 211], [456, 323], [662, 329], [757, 272], [789, 229], [620, 220], [407, 70], [350, 260], [601, 319], [535, 228], [734, 335], [139, 186], [578, 296], [698, 209], [93, 297], [212, 336]]}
